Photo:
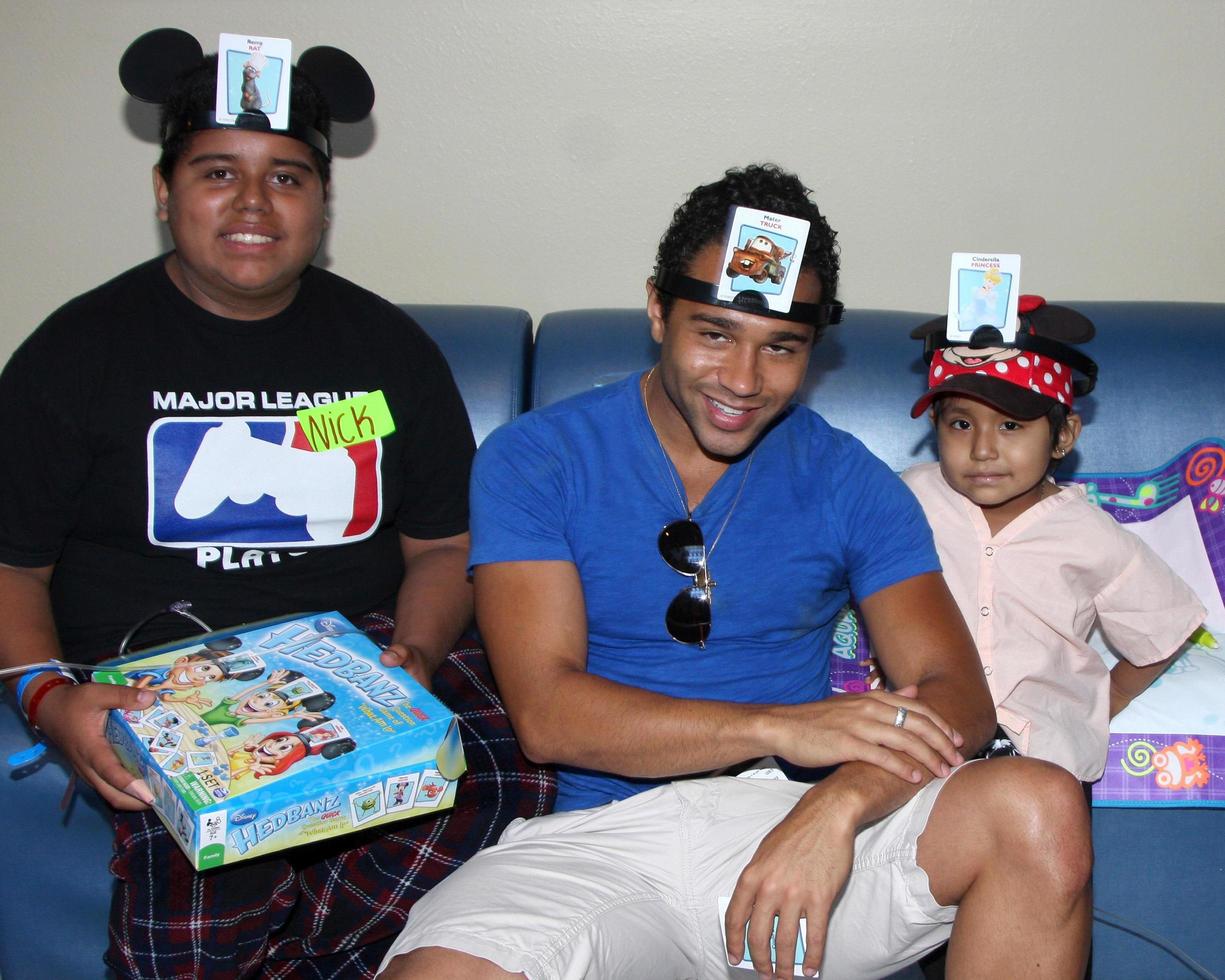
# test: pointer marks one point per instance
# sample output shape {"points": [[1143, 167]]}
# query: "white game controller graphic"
{"points": [[232, 464]]}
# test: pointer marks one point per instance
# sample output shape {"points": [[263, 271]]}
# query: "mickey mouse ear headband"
{"points": [[762, 256], [253, 85], [1022, 377]]}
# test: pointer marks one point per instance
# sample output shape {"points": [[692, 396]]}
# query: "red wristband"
{"points": [[37, 697]]}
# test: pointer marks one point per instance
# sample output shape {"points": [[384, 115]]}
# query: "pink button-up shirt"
{"points": [[1031, 595]]}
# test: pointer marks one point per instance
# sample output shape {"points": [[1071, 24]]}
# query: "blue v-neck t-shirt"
{"points": [[819, 519]]}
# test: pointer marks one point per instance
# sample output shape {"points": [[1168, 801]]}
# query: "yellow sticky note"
{"points": [[346, 423]]}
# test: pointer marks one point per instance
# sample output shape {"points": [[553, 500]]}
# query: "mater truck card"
{"points": [[282, 733]]}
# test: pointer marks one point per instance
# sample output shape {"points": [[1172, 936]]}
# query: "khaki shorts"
{"points": [[631, 889]]}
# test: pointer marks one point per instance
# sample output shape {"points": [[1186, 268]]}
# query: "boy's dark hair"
{"points": [[702, 219], [195, 92]]}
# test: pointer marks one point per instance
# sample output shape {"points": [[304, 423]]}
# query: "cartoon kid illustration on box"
{"points": [[194, 671], [275, 753], [264, 702]]}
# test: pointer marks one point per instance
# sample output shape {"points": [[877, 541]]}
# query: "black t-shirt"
{"points": [[153, 454]]}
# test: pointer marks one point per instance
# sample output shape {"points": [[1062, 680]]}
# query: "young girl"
{"points": [[1033, 565]]}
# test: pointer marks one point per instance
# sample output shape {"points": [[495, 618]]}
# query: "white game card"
{"points": [[432, 789], [984, 288], [241, 663], [763, 253], [324, 733], [299, 689], [367, 804], [797, 969], [253, 76], [402, 791]]}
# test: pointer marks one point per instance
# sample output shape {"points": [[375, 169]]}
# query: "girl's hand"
{"points": [[875, 678]]}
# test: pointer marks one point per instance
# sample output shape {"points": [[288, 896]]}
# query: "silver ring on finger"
{"points": [[900, 718]]}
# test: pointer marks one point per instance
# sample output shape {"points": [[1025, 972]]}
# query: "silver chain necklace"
{"points": [[646, 403]]}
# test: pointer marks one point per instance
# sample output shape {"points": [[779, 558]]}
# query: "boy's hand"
{"points": [[73, 716], [411, 659]]}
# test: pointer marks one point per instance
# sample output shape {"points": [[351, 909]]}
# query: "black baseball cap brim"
{"points": [[1012, 400]]}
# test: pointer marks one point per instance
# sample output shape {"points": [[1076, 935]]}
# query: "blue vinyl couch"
{"points": [[1161, 870]]}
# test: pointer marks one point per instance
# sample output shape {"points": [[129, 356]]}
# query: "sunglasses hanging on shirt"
{"points": [[682, 546]]}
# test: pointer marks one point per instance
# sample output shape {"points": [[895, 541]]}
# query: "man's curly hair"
{"points": [[702, 219], [196, 91]]}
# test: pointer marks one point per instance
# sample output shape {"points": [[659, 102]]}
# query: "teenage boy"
{"points": [[177, 382]]}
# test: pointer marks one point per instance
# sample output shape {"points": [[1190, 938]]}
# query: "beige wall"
{"points": [[530, 153]]}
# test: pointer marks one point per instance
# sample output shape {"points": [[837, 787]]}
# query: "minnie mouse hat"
{"points": [[155, 67], [1025, 378]]}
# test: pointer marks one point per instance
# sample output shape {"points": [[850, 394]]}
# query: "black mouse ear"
{"points": [[930, 328], [342, 80], [1060, 323], [153, 61]]}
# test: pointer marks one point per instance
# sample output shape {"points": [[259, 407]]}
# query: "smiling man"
{"points": [[637, 690], [153, 455]]}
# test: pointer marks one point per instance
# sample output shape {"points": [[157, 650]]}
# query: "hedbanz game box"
{"points": [[281, 733]]}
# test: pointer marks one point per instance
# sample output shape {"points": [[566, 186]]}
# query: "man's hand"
{"points": [[801, 866], [798, 870], [73, 716], [411, 658], [862, 728]]}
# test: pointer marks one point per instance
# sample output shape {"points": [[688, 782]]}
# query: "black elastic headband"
{"points": [[250, 120], [746, 301]]}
